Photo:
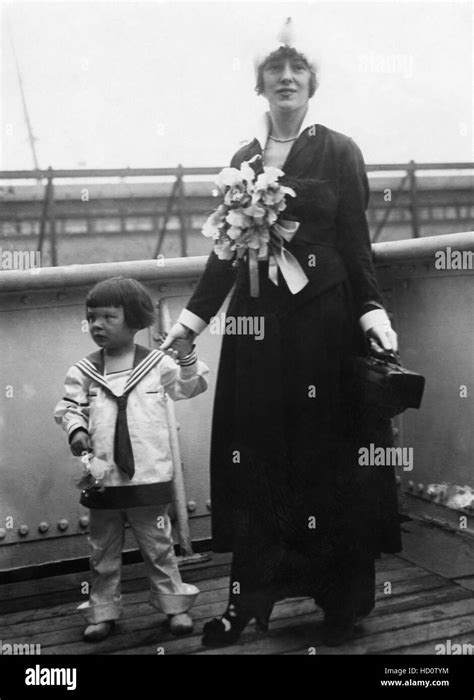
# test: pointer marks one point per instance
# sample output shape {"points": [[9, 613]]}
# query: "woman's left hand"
{"points": [[384, 337]]}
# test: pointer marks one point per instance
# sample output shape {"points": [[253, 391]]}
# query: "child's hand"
{"points": [[80, 443], [183, 347], [179, 348]]}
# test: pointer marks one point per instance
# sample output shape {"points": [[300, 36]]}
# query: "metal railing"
{"points": [[177, 197]]}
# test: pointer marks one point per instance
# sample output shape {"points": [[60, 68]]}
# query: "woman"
{"points": [[289, 499]]}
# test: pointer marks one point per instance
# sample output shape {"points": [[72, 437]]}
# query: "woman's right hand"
{"points": [[177, 331]]}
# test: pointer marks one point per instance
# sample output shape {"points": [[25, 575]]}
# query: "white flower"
{"points": [[247, 174], [269, 178], [229, 177], [212, 223], [236, 217]]}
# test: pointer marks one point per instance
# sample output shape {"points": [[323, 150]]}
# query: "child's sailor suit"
{"points": [[90, 403]]}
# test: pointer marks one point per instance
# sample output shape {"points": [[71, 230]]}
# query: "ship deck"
{"points": [[429, 603]]}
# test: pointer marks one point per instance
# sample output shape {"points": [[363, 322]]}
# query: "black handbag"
{"points": [[384, 386]]}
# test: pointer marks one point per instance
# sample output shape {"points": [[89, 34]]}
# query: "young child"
{"points": [[115, 408]]}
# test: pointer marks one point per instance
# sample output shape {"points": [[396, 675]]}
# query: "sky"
{"points": [[155, 84]]}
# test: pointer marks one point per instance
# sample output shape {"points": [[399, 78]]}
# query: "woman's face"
{"points": [[286, 83]]}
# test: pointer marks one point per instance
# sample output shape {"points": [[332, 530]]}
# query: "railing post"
{"points": [[413, 199], [184, 532], [52, 220], [169, 207], [391, 206], [44, 215], [182, 211]]}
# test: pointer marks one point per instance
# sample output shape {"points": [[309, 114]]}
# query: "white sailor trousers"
{"points": [[152, 529]]}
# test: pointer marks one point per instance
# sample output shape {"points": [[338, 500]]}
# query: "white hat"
{"points": [[286, 36]]}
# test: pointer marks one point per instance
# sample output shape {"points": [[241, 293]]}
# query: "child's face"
{"points": [[108, 328]]}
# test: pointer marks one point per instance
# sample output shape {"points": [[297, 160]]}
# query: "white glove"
{"points": [[382, 337]]}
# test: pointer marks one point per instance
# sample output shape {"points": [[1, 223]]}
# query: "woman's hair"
{"points": [[126, 292], [292, 53]]}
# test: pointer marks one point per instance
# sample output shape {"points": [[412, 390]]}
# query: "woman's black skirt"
{"points": [[289, 497]]}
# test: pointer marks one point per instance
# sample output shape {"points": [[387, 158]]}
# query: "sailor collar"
{"points": [[145, 359]]}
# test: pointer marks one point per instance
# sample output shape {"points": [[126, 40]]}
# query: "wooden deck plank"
{"points": [[144, 630], [438, 596], [448, 554], [465, 582], [63, 586], [53, 598], [49, 616], [130, 572], [388, 642], [134, 605], [310, 634], [69, 608], [423, 607]]}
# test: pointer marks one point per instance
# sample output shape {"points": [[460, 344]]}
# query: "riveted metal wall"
{"points": [[41, 315], [433, 312], [43, 333]]}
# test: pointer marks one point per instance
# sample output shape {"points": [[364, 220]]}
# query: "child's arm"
{"points": [[185, 381], [72, 412]]}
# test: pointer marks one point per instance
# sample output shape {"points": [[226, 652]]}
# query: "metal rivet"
{"points": [[156, 336], [23, 530], [43, 527], [84, 521], [25, 299], [411, 485], [398, 480], [3, 532], [61, 296], [421, 488], [208, 504], [162, 287], [396, 432], [191, 505], [178, 426], [63, 524]]}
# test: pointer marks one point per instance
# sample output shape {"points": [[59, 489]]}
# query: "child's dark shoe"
{"points": [[98, 632], [180, 624]]}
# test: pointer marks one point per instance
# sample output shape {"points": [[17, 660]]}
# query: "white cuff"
{"points": [[377, 317], [195, 323]]}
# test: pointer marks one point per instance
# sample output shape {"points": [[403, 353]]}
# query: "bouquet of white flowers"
{"points": [[247, 224]]}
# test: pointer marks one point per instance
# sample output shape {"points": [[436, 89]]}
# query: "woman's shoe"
{"points": [[180, 624], [225, 630], [98, 632], [338, 630]]}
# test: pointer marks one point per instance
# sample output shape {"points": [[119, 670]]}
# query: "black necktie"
{"points": [[123, 453]]}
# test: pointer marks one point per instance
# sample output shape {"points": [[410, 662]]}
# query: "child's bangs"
{"points": [[105, 295]]}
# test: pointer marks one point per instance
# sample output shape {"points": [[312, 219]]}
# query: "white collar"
{"points": [[262, 127]]}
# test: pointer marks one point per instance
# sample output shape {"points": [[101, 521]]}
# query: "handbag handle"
{"points": [[385, 356]]}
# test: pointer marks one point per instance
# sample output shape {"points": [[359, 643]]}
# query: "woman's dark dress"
{"points": [[288, 496]]}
